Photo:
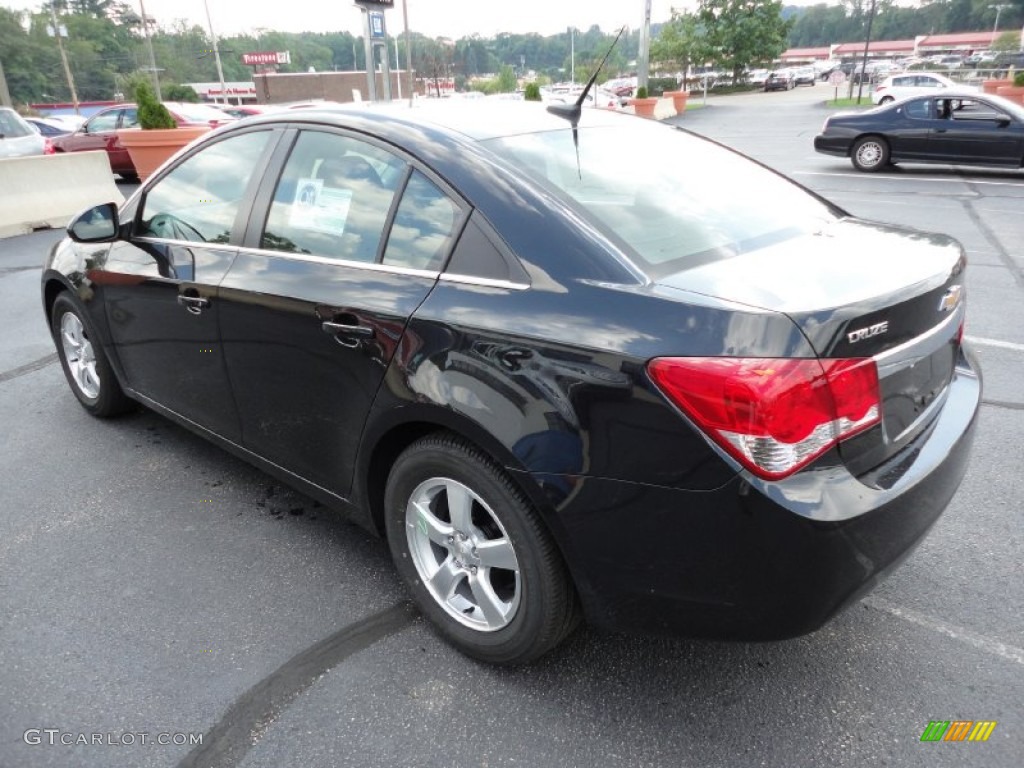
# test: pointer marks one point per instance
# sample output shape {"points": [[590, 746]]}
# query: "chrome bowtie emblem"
{"points": [[950, 299]]}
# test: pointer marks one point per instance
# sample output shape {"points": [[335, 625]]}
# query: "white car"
{"points": [[897, 87], [18, 138]]}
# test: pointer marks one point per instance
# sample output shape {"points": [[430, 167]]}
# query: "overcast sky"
{"points": [[436, 18]]}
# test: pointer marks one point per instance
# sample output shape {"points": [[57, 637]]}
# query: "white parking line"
{"points": [[995, 343], [942, 180], [982, 643]]}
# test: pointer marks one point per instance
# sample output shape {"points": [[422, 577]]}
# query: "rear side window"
{"points": [[333, 198], [12, 126], [105, 121], [424, 226], [921, 109], [199, 200]]}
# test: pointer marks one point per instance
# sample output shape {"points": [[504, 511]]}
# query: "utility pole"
{"points": [[408, 51], [216, 54], [152, 57], [572, 55], [643, 65], [5, 95], [64, 57]]}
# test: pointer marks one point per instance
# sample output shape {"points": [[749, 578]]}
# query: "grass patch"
{"points": [[690, 106], [865, 102]]}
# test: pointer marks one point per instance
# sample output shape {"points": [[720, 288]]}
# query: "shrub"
{"points": [[532, 92], [641, 93], [181, 93], [152, 114], [657, 86], [1018, 79]]}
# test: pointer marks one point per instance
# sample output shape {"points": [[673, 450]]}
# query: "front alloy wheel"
{"points": [[85, 364]]}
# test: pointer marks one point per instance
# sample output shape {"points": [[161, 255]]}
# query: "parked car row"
{"points": [[100, 131]]}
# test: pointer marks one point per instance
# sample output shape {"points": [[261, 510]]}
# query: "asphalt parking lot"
{"points": [[153, 588]]}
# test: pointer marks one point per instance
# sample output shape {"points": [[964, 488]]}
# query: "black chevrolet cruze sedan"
{"points": [[684, 394]]}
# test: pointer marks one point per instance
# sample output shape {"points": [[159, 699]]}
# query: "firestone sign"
{"points": [[267, 57]]}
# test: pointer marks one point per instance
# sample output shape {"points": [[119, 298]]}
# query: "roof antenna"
{"points": [[572, 112]]}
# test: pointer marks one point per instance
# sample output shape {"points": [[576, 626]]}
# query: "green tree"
{"points": [[1008, 42], [507, 80], [741, 33], [680, 43]]}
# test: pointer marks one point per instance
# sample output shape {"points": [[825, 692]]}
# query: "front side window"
{"points": [[199, 200], [333, 198], [130, 118], [105, 121]]}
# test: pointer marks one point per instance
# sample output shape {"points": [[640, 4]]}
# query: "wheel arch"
{"points": [[395, 431]]}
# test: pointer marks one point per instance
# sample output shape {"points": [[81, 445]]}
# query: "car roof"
{"points": [[469, 118]]}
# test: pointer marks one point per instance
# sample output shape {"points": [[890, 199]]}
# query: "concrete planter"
{"points": [[990, 86], [149, 149], [1014, 93], [678, 100], [644, 107]]}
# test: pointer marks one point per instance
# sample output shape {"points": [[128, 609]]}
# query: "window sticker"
{"points": [[318, 208]]}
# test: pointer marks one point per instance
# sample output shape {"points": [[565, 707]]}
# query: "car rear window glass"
{"points": [[675, 200], [333, 198], [424, 226], [199, 200], [12, 126]]}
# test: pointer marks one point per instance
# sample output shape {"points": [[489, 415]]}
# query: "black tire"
{"points": [[84, 362], [886, 100], [131, 178], [870, 154], [542, 607]]}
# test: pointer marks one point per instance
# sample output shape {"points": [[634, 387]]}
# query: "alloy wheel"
{"points": [[80, 356], [463, 554]]}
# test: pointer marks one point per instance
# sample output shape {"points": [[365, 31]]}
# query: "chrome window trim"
{"points": [[370, 266], [486, 282]]}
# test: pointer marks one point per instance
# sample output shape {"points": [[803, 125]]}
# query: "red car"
{"points": [[100, 131]]}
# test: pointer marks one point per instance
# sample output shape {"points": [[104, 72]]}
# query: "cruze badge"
{"points": [[866, 333], [950, 299]]}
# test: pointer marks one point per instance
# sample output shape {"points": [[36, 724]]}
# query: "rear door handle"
{"points": [[194, 304], [347, 334]]}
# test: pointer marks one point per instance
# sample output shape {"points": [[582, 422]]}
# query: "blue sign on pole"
{"points": [[376, 25]]}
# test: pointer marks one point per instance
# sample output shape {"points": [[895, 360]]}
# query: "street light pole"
{"points": [[999, 9], [216, 54], [149, 47], [645, 47], [864, 62], [64, 57]]}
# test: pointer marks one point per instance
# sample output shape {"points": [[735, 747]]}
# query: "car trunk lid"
{"points": [[860, 290]]}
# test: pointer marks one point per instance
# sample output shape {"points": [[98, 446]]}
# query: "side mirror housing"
{"points": [[98, 224]]}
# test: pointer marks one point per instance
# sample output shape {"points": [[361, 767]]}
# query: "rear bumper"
{"points": [[753, 560], [832, 146]]}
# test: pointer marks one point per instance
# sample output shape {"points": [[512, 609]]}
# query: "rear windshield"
{"points": [[12, 126], [675, 200]]}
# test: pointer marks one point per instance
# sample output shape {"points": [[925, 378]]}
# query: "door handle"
{"points": [[194, 304], [347, 334]]}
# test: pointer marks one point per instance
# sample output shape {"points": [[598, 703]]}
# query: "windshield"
{"points": [[12, 126], [675, 200], [200, 113]]}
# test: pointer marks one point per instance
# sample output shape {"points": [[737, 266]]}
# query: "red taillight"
{"points": [[773, 415], [48, 148]]}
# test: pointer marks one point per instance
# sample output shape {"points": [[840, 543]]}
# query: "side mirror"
{"points": [[96, 225]]}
